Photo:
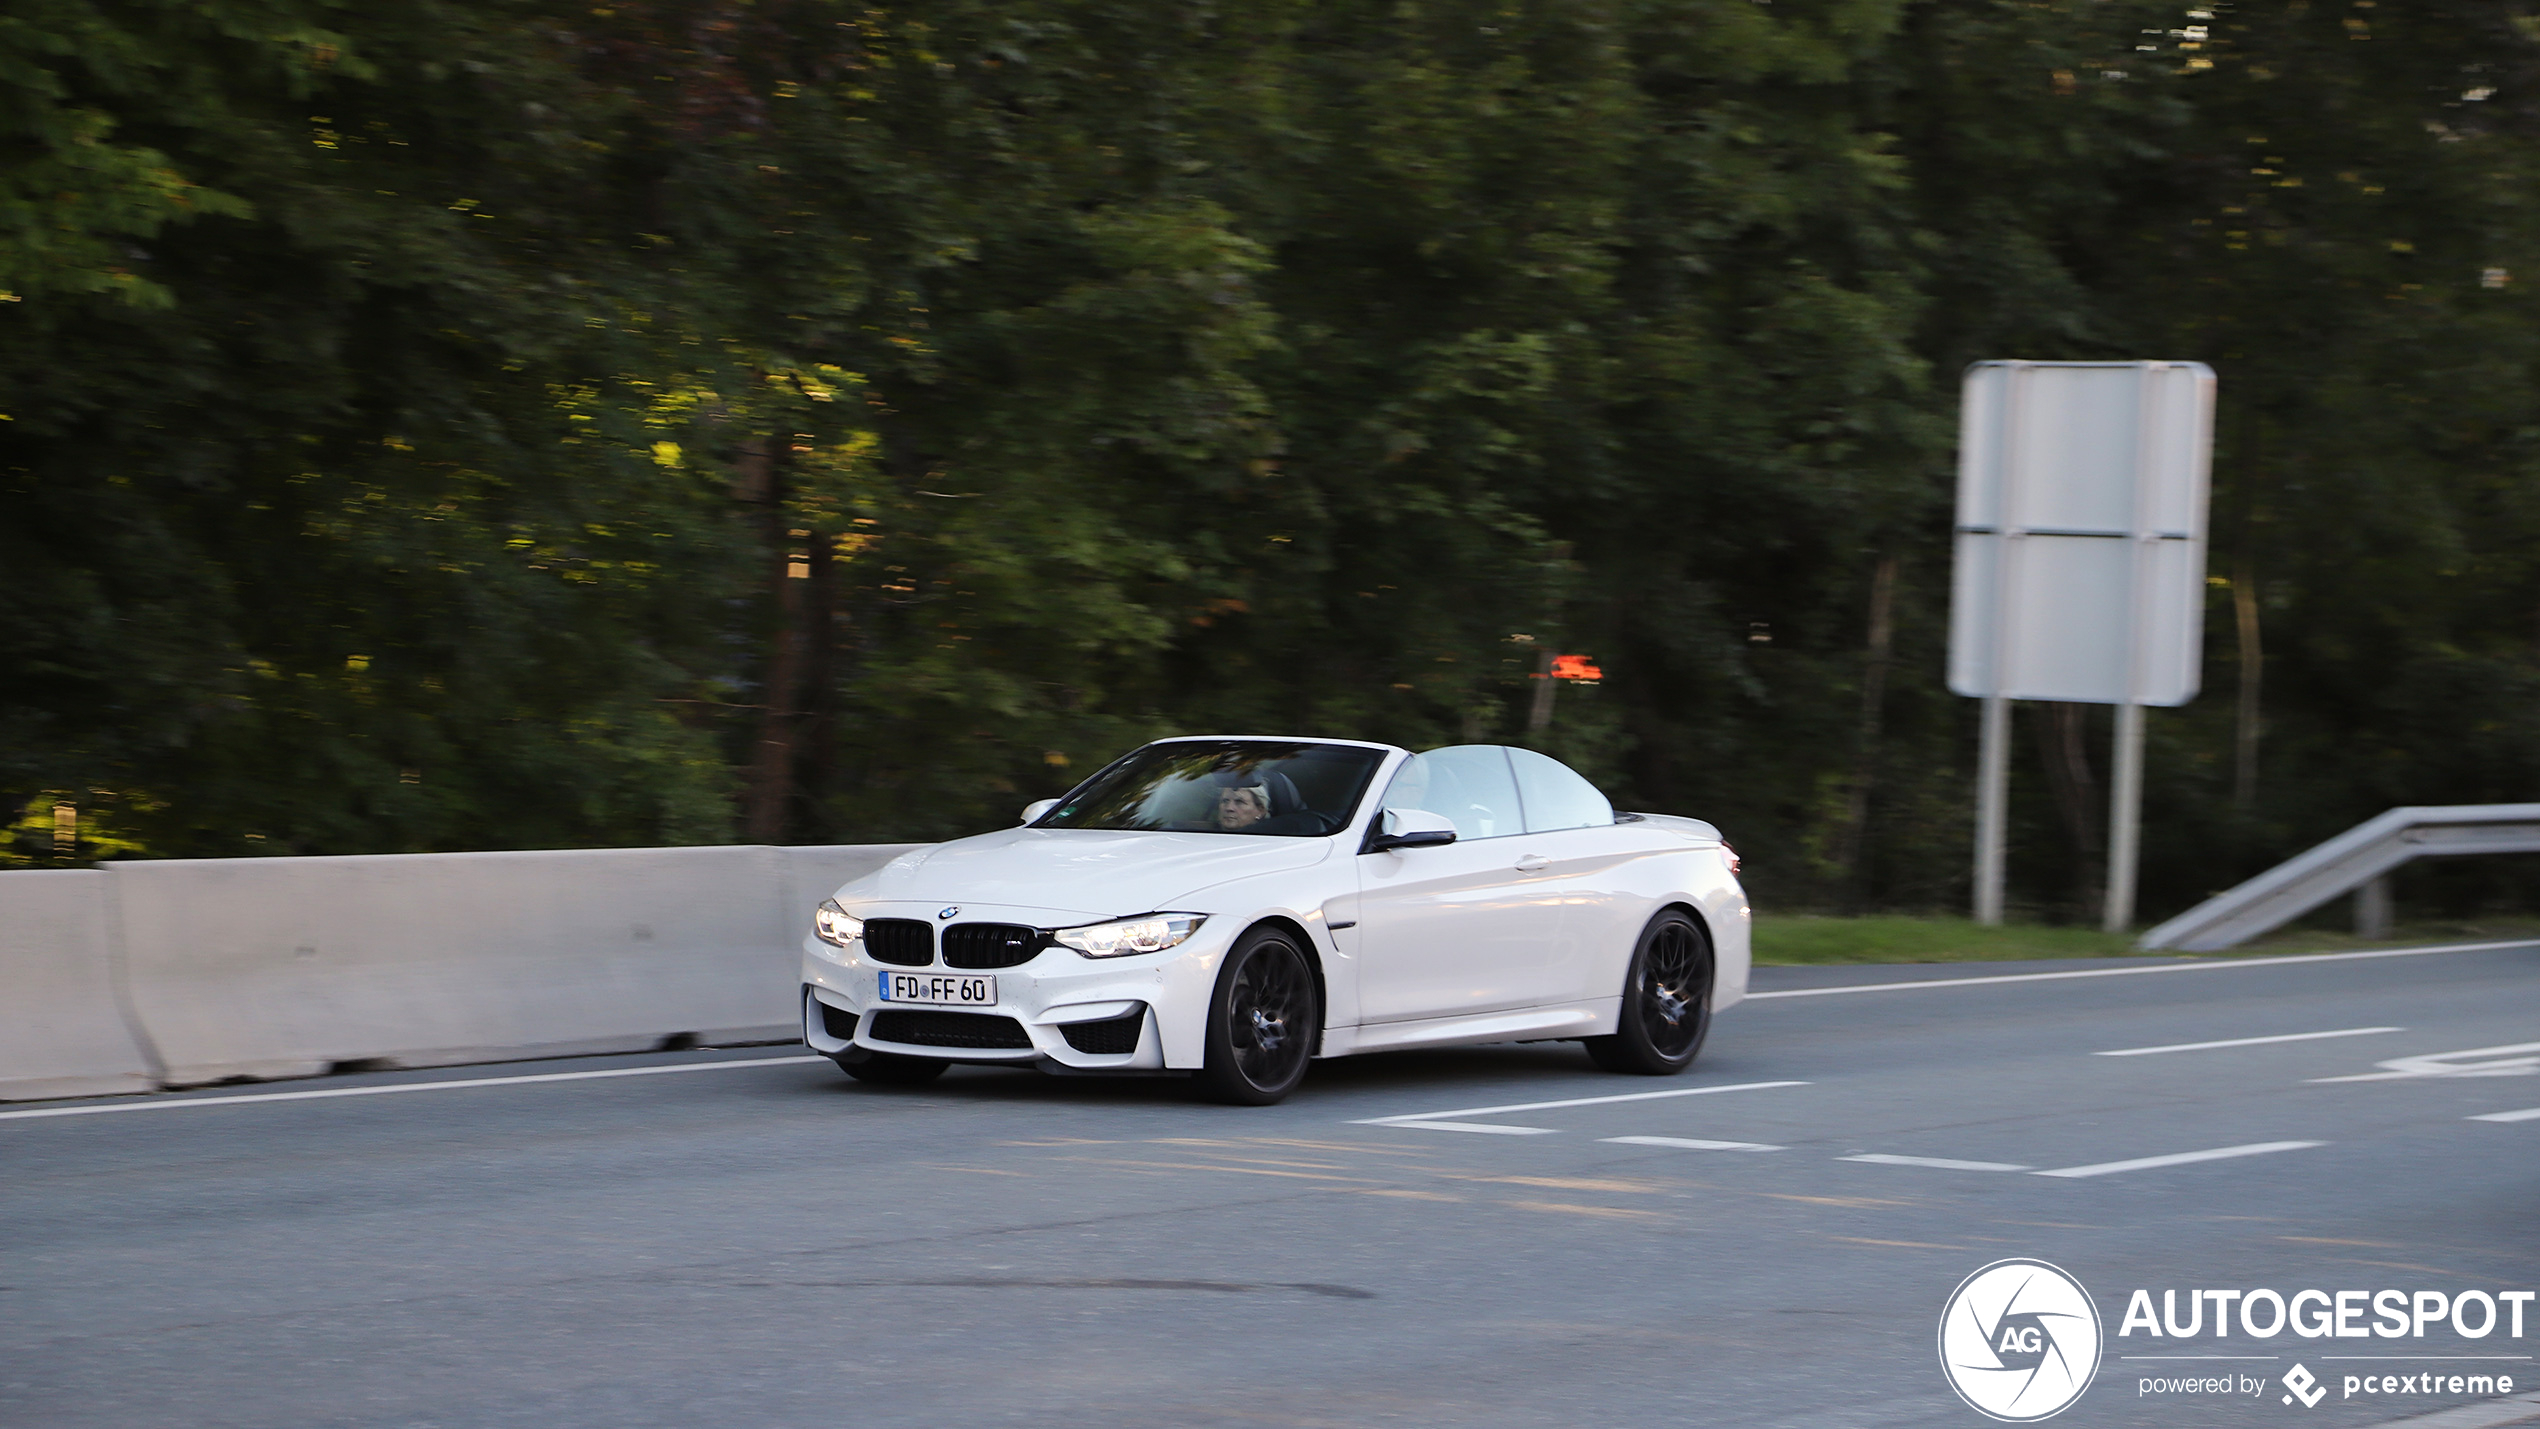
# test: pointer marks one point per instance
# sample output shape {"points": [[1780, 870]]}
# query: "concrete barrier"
{"points": [[63, 1032], [284, 967]]}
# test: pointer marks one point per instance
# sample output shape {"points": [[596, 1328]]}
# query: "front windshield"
{"points": [[1224, 786]]}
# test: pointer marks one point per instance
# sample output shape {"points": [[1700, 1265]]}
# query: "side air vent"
{"points": [[837, 1022], [904, 941], [1113, 1036], [991, 945], [949, 1029]]}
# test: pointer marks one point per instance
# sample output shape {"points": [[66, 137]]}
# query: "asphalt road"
{"points": [[744, 1238]]}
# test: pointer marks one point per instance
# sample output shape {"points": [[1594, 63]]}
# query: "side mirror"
{"points": [[1408, 828], [1032, 811]]}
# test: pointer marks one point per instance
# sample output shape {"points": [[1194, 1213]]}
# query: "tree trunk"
{"points": [[1856, 814], [770, 790], [1539, 715], [816, 738], [2064, 746], [2244, 744]]}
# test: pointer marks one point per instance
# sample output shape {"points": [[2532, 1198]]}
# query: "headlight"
{"points": [[1150, 934], [833, 924]]}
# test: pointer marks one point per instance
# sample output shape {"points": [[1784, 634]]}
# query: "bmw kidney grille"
{"points": [[991, 945], [903, 941]]}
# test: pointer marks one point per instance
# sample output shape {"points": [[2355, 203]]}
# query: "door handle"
{"points": [[1533, 862]]}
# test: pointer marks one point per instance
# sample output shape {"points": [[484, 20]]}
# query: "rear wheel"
{"points": [[890, 1069], [1666, 1008], [1261, 1022]]}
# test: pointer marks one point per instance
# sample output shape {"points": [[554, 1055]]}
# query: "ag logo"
{"points": [[2019, 1340]]}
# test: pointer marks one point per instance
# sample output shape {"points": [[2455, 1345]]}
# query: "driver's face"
{"points": [[1237, 808]]}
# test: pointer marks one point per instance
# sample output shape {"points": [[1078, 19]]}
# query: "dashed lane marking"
{"points": [[2526, 1114], [2183, 1158], [1689, 1143], [180, 1103], [1487, 1129], [2219, 965], [1439, 1118], [2247, 1041], [1941, 1162]]}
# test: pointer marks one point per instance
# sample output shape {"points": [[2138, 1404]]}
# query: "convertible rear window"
{"points": [[1229, 786], [1489, 791]]}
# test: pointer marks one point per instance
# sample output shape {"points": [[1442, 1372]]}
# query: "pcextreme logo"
{"points": [[2019, 1341]]}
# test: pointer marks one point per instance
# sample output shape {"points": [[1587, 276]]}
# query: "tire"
{"points": [[1666, 1009], [1262, 1021], [890, 1069]]}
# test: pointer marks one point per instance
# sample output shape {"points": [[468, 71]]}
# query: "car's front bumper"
{"points": [[1042, 998]]}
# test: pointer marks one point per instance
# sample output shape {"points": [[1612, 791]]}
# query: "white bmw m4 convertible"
{"points": [[1235, 907]]}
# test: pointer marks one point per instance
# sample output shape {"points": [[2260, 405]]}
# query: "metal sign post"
{"points": [[2080, 569]]}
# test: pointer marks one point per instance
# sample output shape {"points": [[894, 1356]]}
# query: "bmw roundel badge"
{"points": [[951, 912]]}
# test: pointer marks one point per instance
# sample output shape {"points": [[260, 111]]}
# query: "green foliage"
{"points": [[310, 544], [439, 426]]}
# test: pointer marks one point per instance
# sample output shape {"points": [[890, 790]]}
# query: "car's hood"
{"points": [[1093, 872]]}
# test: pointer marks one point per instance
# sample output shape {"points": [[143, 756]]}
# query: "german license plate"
{"points": [[939, 990]]}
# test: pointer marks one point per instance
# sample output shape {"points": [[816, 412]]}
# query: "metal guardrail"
{"points": [[2352, 862]]}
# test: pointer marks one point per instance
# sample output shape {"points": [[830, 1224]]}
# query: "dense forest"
{"points": [[437, 425]]}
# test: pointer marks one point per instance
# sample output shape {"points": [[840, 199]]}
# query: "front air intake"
{"points": [[836, 1021], [950, 1029], [1112, 1036]]}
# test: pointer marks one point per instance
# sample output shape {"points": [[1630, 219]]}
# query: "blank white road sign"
{"points": [[2081, 531]]}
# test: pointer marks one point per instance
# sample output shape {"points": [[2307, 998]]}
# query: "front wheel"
{"points": [[1261, 1021], [1666, 1008]]}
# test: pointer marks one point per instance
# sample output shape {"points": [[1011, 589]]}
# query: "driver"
{"points": [[1240, 806]]}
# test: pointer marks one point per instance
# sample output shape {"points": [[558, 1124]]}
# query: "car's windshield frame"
{"points": [[1110, 792]]}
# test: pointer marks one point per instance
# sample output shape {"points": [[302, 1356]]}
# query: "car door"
{"points": [[1464, 928], [1584, 861]]}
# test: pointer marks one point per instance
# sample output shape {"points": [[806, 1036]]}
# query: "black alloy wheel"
{"points": [[890, 1069], [1261, 1022], [1666, 1008]]}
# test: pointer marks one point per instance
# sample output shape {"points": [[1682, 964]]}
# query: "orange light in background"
{"points": [[1576, 667]]}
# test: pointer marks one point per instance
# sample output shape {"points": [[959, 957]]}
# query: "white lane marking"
{"points": [[1573, 1101], [176, 1103], [2183, 1158], [2217, 965], [1880, 1159], [2503, 1062], [2526, 1114], [2248, 1041], [1426, 1125], [1689, 1143]]}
